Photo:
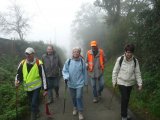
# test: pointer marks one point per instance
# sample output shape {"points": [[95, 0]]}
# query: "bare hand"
{"points": [[45, 93], [114, 85], [17, 83], [140, 87]]}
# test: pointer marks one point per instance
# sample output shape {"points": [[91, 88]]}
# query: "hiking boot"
{"points": [[38, 115], [99, 97], [80, 116], [129, 117], [95, 100], [33, 116], [57, 95], [75, 111], [124, 118]]}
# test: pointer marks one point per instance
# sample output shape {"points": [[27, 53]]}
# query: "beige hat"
{"points": [[29, 50]]}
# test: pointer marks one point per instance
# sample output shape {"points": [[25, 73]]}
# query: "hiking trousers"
{"points": [[53, 83], [100, 82], [125, 92], [34, 99], [77, 98]]}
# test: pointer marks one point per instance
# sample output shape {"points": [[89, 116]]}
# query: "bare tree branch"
{"points": [[14, 21]]}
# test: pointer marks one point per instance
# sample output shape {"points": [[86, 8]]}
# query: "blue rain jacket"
{"points": [[75, 72]]}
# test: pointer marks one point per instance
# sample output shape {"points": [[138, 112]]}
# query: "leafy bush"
{"points": [[8, 66], [144, 103]]}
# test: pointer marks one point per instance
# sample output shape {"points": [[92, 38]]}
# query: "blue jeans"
{"points": [[77, 98], [100, 82], [53, 83], [34, 99]]}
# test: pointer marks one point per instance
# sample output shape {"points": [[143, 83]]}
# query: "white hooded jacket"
{"points": [[127, 74]]}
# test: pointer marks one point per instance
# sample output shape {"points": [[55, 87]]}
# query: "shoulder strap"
{"points": [[69, 62], [120, 61], [134, 59], [82, 64], [81, 61], [22, 62], [37, 62]]}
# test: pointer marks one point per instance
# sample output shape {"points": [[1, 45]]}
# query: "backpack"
{"points": [[81, 63], [121, 60]]}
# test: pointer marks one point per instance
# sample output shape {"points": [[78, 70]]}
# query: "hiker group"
{"points": [[77, 72]]}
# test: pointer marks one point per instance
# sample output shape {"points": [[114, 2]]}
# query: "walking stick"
{"points": [[87, 88], [110, 103], [65, 95], [16, 103]]}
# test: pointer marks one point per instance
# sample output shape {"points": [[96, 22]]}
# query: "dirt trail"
{"points": [[92, 111]]}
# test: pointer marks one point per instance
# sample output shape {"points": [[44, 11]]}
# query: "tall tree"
{"points": [[88, 25], [112, 8], [14, 21]]}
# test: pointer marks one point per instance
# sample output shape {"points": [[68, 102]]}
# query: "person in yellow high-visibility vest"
{"points": [[31, 74]]}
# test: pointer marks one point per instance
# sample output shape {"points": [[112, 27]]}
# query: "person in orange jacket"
{"points": [[95, 61]]}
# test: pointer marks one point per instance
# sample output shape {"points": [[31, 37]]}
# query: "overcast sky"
{"points": [[50, 19]]}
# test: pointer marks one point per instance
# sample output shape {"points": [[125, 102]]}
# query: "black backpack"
{"points": [[121, 60]]}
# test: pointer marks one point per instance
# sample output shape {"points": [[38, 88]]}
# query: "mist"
{"points": [[50, 20]]}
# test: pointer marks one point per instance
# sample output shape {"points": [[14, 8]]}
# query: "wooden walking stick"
{"points": [[16, 103], [65, 95], [110, 103]]}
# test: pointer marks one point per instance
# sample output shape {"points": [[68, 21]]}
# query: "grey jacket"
{"points": [[52, 65]]}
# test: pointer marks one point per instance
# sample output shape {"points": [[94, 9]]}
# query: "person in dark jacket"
{"points": [[30, 72], [53, 67]]}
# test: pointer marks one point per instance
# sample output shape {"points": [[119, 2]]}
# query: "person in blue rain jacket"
{"points": [[75, 76]]}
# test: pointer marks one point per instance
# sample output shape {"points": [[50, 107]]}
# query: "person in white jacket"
{"points": [[126, 74]]}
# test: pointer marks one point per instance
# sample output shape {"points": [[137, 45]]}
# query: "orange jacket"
{"points": [[91, 60]]}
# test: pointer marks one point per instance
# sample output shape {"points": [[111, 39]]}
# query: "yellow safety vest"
{"points": [[31, 80]]}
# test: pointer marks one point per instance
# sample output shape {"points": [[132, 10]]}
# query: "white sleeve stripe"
{"points": [[19, 65], [16, 77], [44, 78]]}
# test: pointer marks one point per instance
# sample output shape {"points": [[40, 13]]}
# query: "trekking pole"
{"points": [[65, 95], [110, 103], [87, 88]]}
